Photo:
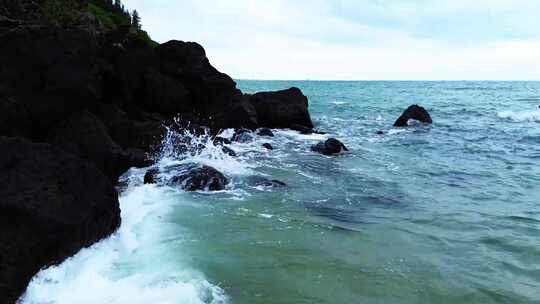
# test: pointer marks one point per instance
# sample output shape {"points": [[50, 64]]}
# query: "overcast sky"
{"points": [[356, 39]]}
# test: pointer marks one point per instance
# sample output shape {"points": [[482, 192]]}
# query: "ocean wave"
{"points": [[524, 116], [116, 269]]}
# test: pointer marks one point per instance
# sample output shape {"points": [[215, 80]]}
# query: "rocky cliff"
{"points": [[84, 97]]}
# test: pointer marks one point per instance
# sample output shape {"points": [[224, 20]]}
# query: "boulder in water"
{"points": [[330, 147], [265, 132], [242, 135], [415, 112], [282, 109], [229, 151], [53, 204], [203, 178], [268, 146], [221, 141]]}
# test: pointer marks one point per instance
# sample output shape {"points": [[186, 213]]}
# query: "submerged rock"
{"points": [[203, 178], [330, 147], [267, 183], [229, 151], [268, 146], [265, 132], [52, 204], [415, 112]]}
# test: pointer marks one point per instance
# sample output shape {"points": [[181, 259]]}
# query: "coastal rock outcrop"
{"points": [[52, 205], [330, 147], [415, 112], [85, 135], [282, 109], [90, 102]]}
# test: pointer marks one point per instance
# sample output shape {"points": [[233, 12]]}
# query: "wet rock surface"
{"points": [[331, 146]]}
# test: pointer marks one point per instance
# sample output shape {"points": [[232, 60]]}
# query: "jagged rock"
{"points": [[150, 176], [265, 132], [221, 141], [203, 178], [163, 94], [85, 135], [268, 146], [380, 132], [415, 112], [213, 94], [52, 204], [242, 135], [141, 134], [282, 109], [330, 147], [229, 151]]}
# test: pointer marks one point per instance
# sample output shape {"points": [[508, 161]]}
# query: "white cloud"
{"points": [[363, 39]]}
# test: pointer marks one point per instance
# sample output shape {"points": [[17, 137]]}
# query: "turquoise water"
{"points": [[447, 213]]}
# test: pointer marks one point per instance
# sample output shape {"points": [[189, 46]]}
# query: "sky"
{"points": [[356, 39]]}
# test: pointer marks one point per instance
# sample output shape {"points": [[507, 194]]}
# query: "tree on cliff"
{"points": [[136, 20]]}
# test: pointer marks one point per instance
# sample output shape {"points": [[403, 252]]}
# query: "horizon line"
{"points": [[388, 80]]}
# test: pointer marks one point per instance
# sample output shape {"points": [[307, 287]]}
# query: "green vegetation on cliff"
{"points": [[111, 14]]}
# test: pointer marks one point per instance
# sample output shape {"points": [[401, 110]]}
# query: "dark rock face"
{"points": [[265, 132], [150, 176], [213, 94], [268, 146], [282, 109], [203, 178], [415, 112], [52, 204], [330, 147], [85, 135], [47, 75]]}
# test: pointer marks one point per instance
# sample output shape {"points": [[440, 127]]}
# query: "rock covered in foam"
{"points": [[53, 204], [330, 147], [265, 132], [415, 112], [203, 178], [242, 135]]}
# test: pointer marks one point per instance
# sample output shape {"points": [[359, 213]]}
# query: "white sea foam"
{"points": [[523, 116], [127, 267]]}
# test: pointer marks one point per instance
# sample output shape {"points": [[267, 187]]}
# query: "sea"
{"points": [[441, 213]]}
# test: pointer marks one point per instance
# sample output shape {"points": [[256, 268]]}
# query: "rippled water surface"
{"points": [[447, 213]]}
